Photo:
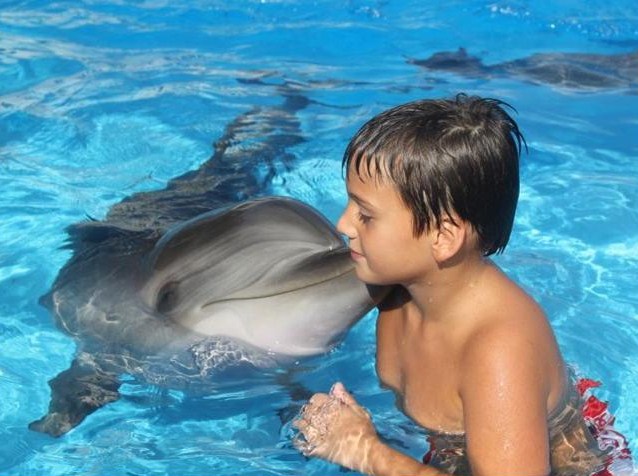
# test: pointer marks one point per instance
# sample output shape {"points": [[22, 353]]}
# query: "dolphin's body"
{"points": [[173, 287], [575, 71]]}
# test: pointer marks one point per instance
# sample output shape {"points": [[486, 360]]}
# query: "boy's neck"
{"points": [[435, 294]]}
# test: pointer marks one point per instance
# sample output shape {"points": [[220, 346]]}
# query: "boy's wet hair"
{"points": [[447, 156]]}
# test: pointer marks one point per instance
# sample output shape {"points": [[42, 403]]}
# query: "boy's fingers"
{"points": [[300, 424], [302, 444], [339, 391], [318, 399], [311, 409]]}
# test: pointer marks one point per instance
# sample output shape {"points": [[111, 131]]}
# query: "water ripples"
{"points": [[99, 100]]}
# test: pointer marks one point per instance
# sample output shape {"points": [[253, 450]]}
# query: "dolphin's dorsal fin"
{"points": [[244, 161], [458, 61]]}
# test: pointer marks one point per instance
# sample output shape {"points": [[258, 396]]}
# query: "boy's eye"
{"points": [[364, 218]]}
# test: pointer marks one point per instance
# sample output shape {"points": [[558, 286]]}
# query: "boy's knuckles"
{"points": [[318, 399]]}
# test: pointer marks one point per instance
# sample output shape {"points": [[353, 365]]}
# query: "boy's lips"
{"points": [[355, 255]]}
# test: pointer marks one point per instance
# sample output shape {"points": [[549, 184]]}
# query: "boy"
{"points": [[433, 187]]}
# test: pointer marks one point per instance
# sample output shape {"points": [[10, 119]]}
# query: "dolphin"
{"points": [[574, 71], [178, 285]]}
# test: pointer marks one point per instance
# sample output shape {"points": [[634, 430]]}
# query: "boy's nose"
{"points": [[344, 224]]}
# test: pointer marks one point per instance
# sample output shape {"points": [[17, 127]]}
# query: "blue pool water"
{"points": [[101, 99]]}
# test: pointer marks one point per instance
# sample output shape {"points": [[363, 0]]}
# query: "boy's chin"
{"points": [[371, 280]]}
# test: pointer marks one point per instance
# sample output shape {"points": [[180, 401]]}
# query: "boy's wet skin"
{"points": [[432, 189], [426, 335]]}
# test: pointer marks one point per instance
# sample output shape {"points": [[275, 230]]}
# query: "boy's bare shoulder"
{"points": [[511, 331], [508, 304]]}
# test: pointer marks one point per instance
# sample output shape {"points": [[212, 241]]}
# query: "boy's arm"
{"points": [[504, 391], [387, 461], [336, 428]]}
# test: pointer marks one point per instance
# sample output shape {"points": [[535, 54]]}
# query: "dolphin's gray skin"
{"points": [[177, 285], [576, 71]]}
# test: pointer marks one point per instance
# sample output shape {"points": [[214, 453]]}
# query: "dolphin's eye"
{"points": [[112, 317], [167, 297]]}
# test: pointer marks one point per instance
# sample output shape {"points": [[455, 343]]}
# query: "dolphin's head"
{"points": [[271, 272]]}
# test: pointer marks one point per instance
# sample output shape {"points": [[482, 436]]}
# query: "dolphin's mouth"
{"points": [[307, 273], [284, 277], [282, 292]]}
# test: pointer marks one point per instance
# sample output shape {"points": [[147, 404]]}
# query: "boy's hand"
{"points": [[335, 427]]}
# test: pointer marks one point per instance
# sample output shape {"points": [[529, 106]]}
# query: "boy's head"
{"points": [[452, 157]]}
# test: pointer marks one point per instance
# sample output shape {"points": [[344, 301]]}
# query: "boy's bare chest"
{"points": [[423, 370]]}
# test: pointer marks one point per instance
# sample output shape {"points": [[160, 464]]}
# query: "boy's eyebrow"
{"points": [[360, 201]]}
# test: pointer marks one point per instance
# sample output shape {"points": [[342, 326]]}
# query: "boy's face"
{"points": [[379, 227]]}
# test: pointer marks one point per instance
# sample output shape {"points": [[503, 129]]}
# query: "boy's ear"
{"points": [[449, 239]]}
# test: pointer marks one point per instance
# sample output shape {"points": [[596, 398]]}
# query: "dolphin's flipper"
{"points": [[76, 393]]}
